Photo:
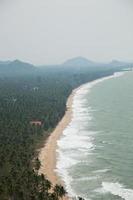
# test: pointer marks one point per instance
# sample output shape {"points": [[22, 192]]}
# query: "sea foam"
{"points": [[76, 142], [118, 190]]}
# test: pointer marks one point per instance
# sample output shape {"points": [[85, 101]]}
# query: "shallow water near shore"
{"points": [[95, 152]]}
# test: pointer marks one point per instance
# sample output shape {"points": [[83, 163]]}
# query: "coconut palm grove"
{"points": [[34, 94]]}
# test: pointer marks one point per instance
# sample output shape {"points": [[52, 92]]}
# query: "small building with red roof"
{"points": [[36, 123]]}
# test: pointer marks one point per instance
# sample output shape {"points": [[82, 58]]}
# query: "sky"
{"points": [[52, 31]]}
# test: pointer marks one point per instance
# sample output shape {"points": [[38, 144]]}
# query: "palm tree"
{"points": [[80, 198], [48, 185], [52, 196], [37, 164], [59, 191]]}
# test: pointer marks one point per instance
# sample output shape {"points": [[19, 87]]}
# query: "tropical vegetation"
{"points": [[25, 97]]}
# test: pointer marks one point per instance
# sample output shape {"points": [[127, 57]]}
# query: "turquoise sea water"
{"points": [[96, 150]]}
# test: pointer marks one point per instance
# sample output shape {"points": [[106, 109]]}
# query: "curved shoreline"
{"points": [[48, 154]]}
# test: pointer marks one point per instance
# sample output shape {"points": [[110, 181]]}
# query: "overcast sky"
{"points": [[51, 31]]}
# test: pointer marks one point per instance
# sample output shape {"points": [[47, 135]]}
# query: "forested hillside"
{"points": [[40, 96]]}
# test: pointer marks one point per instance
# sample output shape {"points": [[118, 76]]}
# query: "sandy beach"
{"points": [[48, 153]]}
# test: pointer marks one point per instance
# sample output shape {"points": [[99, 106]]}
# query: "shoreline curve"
{"points": [[48, 154]]}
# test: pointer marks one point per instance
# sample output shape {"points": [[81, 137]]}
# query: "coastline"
{"points": [[48, 154]]}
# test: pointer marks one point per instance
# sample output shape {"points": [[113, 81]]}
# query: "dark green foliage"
{"points": [[37, 164], [80, 198], [42, 97], [59, 191]]}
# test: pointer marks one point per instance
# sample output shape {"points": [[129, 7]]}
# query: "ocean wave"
{"points": [[101, 171], [76, 142], [118, 190], [87, 178]]}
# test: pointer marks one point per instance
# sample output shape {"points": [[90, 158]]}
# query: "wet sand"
{"points": [[48, 154]]}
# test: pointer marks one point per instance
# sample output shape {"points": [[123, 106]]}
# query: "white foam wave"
{"points": [[101, 171], [87, 178], [76, 143], [118, 190]]}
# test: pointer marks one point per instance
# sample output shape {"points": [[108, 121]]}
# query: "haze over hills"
{"points": [[77, 63], [81, 61], [84, 62], [15, 67], [5, 62], [119, 63], [16, 63]]}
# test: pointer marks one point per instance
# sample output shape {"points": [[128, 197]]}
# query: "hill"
{"points": [[15, 67], [78, 61], [116, 63]]}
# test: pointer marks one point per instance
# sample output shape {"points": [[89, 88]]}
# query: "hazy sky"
{"points": [[50, 31]]}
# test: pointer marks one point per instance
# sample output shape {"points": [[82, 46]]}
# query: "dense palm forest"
{"points": [[25, 97]]}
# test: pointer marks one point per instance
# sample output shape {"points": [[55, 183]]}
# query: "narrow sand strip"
{"points": [[48, 153]]}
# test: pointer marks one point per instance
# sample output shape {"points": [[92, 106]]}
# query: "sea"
{"points": [[95, 152]]}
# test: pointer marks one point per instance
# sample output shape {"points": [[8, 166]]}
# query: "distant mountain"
{"points": [[17, 64], [15, 67], [5, 62], [78, 64], [117, 63], [83, 62], [79, 61]]}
